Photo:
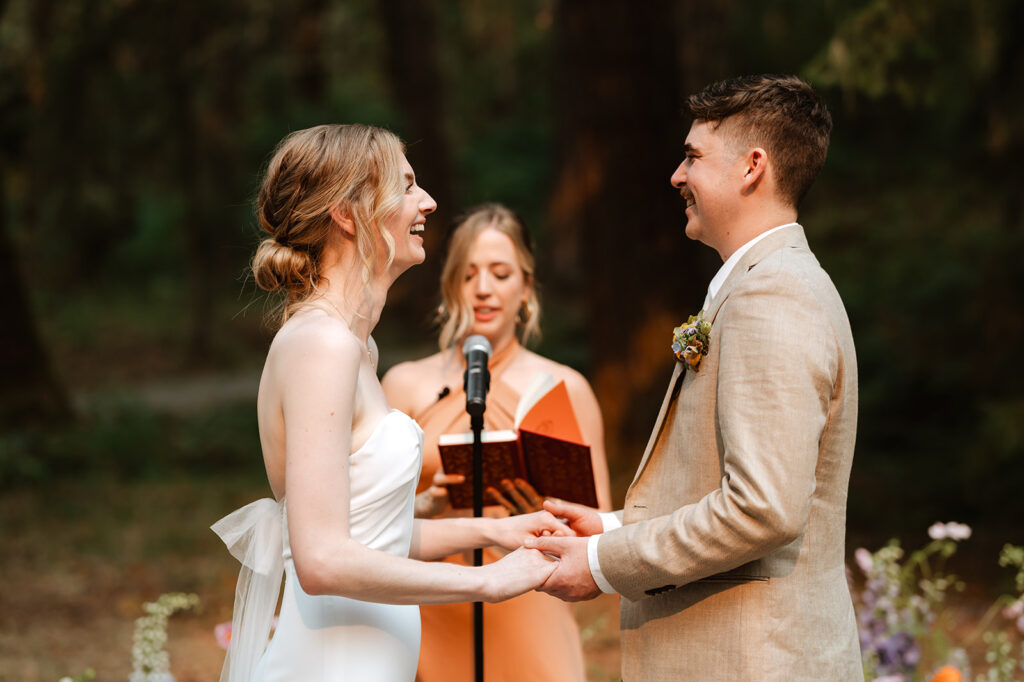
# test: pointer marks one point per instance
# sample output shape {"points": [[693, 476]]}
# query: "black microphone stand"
{"points": [[476, 423]]}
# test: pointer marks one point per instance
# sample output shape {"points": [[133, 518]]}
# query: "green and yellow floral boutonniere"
{"points": [[690, 341]]}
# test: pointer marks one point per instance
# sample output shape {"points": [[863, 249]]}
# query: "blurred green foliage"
{"points": [[122, 438]]}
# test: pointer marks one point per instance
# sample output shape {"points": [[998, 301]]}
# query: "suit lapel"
{"points": [[677, 374], [788, 237]]}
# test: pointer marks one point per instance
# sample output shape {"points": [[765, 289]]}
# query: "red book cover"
{"points": [[546, 449]]}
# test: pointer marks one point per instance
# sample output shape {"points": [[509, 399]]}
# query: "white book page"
{"points": [[541, 383], [485, 437]]}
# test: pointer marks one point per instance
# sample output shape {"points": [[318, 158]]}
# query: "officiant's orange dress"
{"points": [[530, 637]]}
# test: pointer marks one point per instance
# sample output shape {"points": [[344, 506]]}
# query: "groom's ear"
{"points": [[756, 169]]}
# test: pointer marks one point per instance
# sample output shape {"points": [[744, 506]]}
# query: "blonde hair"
{"points": [[455, 314], [311, 172]]}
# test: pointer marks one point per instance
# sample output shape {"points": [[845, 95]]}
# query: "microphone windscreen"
{"points": [[477, 342]]}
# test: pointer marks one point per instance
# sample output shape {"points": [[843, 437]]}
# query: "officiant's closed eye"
{"points": [[494, 287]]}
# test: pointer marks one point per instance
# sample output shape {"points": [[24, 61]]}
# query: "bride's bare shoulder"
{"points": [[315, 337]]}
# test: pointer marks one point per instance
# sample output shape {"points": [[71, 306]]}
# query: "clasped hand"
{"points": [[513, 531], [571, 579], [524, 569]]}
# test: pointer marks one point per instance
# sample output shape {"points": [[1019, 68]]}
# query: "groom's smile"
{"points": [[685, 193]]}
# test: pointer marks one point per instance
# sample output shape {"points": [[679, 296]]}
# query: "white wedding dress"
{"points": [[325, 638]]}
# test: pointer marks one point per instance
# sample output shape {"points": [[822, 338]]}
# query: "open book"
{"points": [[545, 448]]}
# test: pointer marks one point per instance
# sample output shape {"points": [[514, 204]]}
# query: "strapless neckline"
{"points": [[374, 435]]}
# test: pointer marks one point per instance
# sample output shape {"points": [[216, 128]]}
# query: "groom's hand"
{"points": [[571, 580], [583, 520], [512, 531]]}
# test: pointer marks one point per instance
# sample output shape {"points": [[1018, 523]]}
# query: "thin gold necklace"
{"points": [[334, 307], [369, 355]]}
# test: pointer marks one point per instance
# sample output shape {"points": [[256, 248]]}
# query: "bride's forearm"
{"points": [[438, 538], [358, 572]]}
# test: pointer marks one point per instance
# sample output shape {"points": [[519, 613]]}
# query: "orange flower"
{"points": [[947, 673]]}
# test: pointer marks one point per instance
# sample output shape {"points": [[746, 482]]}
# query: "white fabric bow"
{"points": [[253, 536]]}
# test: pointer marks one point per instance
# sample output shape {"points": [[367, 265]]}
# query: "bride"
{"points": [[344, 213]]}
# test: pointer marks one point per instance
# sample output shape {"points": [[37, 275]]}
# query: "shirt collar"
{"points": [[723, 272]]}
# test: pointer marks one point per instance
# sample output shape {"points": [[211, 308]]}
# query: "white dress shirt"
{"points": [[609, 520]]}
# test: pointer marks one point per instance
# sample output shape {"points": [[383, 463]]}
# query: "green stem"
{"points": [[999, 603]]}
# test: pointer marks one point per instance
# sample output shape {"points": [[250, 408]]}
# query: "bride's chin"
{"points": [[415, 258]]}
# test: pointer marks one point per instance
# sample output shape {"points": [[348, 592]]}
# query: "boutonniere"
{"points": [[690, 340]]}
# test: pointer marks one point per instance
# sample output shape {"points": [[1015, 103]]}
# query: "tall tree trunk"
{"points": [[198, 237], [617, 225], [410, 28], [30, 392], [999, 109], [306, 36], [703, 46]]}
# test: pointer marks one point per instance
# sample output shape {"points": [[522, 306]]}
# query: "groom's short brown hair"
{"points": [[782, 114]]}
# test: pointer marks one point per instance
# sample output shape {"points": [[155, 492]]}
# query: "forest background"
{"points": [[133, 136]]}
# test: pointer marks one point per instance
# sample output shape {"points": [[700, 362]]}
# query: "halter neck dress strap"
{"points": [[450, 409]]}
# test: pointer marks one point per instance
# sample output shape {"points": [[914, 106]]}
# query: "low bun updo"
{"points": [[278, 267], [311, 172]]}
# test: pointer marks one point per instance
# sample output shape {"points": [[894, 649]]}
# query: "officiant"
{"points": [[488, 288]]}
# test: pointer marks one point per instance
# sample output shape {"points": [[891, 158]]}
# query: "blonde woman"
{"points": [[344, 215], [488, 288]]}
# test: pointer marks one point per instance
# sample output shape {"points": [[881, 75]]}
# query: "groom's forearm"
{"points": [[695, 542]]}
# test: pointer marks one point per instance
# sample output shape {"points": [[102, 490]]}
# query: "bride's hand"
{"points": [[515, 573], [512, 531], [434, 500]]}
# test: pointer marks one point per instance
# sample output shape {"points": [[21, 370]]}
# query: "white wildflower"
{"points": [[864, 559], [951, 531], [149, 660], [958, 531]]}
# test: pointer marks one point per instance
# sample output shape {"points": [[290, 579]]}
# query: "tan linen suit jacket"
{"points": [[731, 559]]}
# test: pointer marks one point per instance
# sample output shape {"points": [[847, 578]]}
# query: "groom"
{"points": [[730, 554]]}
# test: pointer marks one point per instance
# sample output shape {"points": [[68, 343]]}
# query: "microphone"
{"points": [[477, 379]]}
